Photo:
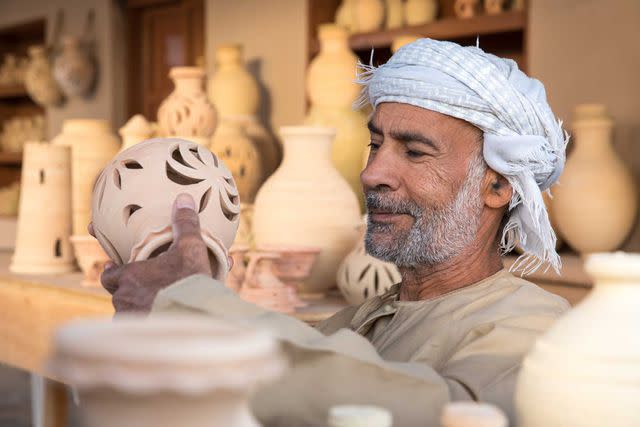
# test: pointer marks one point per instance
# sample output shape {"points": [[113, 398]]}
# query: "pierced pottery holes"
{"points": [[117, 179], [195, 153], [57, 251], [180, 178], [131, 164], [204, 200], [177, 156], [231, 216], [242, 171], [41, 176], [128, 211]]}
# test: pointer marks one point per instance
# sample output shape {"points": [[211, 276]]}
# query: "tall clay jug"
{"points": [[595, 202], [307, 203], [332, 91], [44, 221], [585, 371]]}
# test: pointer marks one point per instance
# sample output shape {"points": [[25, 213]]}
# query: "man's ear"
{"points": [[496, 190]]}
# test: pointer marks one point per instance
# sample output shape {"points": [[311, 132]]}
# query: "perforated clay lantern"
{"points": [[133, 199]]}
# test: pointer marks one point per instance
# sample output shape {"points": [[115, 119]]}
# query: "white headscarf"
{"points": [[523, 141]]}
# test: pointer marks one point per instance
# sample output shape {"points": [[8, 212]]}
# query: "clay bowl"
{"points": [[91, 259], [294, 264]]}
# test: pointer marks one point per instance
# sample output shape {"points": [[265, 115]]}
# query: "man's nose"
{"points": [[381, 171]]}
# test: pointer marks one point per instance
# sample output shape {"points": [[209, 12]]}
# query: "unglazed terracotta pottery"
{"points": [[585, 371], [232, 145], [595, 206], [465, 8], [400, 41], [92, 146], [232, 89], [360, 16], [91, 259], [307, 203], [361, 276], [9, 198], [187, 113], [294, 265], [394, 14], [18, 130], [332, 93], [359, 416], [494, 7], [244, 236], [74, 68], [137, 129], [418, 12], [236, 275], [44, 221], [472, 414], [134, 195], [39, 80], [164, 370], [268, 147]]}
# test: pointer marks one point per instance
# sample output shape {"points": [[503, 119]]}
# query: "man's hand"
{"points": [[134, 286]]}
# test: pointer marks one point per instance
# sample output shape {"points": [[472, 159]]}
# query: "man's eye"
{"points": [[414, 154], [373, 145]]}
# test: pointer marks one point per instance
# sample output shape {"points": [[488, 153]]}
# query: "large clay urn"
{"points": [[39, 81], [307, 203], [164, 370], [187, 113], [585, 371], [332, 91], [44, 222], [595, 202], [92, 144]]}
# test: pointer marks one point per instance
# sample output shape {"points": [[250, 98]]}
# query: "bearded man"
{"points": [[462, 144]]}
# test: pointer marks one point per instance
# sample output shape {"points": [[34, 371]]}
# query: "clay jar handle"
{"points": [[254, 258]]}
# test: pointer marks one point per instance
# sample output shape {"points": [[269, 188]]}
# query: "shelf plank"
{"points": [[13, 91], [445, 29], [10, 159]]}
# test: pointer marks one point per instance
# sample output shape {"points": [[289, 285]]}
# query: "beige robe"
{"points": [[409, 357]]}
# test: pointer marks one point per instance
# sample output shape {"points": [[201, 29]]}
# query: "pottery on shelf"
{"points": [[236, 275], [359, 416], [400, 41], [18, 130], [244, 236], [261, 286], [306, 202], [136, 130], [187, 113], [494, 7], [294, 265], [134, 196], [91, 259], [472, 414], [9, 198], [394, 14], [232, 145], [92, 146], [585, 370], [74, 68], [44, 220], [465, 8], [360, 16], [164, 370], [39, 81], [419, 12], [596, 203]]}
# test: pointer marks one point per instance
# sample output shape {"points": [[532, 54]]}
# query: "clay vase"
{"points": [[91, 259], [332, 93], [232, 89], [307, 203], [136, 130], [294, 265], [400, 41], [164, 370], [419, 12], [585, 370], [44, 221], [268, 147], [465, 8], [494, 7], [236, 275], [134, 195], [244, 236], [92, 146], [394, 14], [232, 145], [39, 81], [74, 69], [596, 202], [187, 113], [368, 15], [472, 414], [359, 416], [344, 18]]}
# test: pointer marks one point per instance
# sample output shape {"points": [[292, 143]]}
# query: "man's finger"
{"points": [[110, 277], [90, 229], [185, 220]]}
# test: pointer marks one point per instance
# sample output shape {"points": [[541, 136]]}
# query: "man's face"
{"points": [[422, 185]]}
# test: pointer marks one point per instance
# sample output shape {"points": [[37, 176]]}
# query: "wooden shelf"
{"points": [[445, 29], [13, 91], [10, 159]]}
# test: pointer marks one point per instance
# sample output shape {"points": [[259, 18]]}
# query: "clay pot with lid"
{"points": [[134, 196], [164, 370]]}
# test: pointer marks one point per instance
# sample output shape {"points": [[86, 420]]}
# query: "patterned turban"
{"points": [[523, 141]]}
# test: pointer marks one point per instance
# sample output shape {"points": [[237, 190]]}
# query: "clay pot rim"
{"points": [[289, 249], [186, 72], [331, 31], [286, 131], [136, 125], [75, 125]]}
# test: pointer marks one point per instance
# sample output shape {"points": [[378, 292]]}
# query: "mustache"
{"points": [[378, 201]]}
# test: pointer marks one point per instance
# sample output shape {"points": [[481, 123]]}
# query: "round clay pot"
{"points": [[494, 7], [586, 369], [136, 130], [187, 113], [368, 15], [164, 370], [134, 195], [307, 203], [91, 259], [394, 14], [595, 204], [267, 145], [419, 12], [465, 8], [74, 68], [39, 81]]}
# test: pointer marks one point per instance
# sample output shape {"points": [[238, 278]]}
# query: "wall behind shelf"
{"points": [[107, 102]]}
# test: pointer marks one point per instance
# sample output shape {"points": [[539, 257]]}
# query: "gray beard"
{"points": [[437, 234]]}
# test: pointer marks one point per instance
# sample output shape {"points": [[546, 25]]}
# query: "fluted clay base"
{"points": [[283, 300]]}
